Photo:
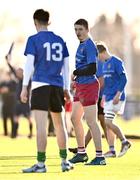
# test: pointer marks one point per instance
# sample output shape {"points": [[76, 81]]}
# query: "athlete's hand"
{"points": [[24, 94], [73, 77], [102, 101], [67, 95], [116, 98]]}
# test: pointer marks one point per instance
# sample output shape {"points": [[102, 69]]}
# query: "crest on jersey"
{"points": [[81, 50], [109, 66]]}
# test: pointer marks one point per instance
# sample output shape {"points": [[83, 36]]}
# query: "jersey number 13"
{"points": [[57, 49]]}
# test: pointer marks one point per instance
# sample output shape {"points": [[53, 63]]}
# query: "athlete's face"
{"points": [[102, 56], [81, 32]]}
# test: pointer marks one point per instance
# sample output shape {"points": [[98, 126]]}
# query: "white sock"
{"points": [[40, 164]]}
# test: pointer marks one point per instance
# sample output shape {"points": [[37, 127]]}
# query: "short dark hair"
{"points": [[82, 22], [101, 47], [42, 16]]}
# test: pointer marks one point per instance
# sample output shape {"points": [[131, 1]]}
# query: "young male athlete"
{"points": [[47, 56], [114, 95], [88, 136], [86, 95]]}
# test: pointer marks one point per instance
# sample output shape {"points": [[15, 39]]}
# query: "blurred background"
{"points": [[115, 22]]}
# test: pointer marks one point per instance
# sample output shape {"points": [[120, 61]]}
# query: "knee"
{"points": [[92, 124], [108, 123], [73, 120]]}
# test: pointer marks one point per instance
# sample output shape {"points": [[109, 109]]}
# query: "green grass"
{"points": [[16, 154]]}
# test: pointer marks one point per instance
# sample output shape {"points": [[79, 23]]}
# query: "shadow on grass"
{"points": [[24, 157], [12, 173], [24, 164]]}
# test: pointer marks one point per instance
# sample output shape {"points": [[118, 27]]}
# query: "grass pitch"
{"points": [[16, 154]]}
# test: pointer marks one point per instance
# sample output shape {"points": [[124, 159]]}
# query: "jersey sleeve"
{"points": [[119, 67], [30, 47], [99, 72]]}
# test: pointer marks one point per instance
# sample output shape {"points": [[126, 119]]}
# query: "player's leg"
{"points": [[57, 114], [89, 97], [109, 118], [76, 117], [40, 119], [39, 106], [51, 131], [60, 129], [91, 118], [30, 127], [101, 117], [61, 134], [26, 112], [103, 124], [117, 130], [69, 126], [111, 137], [88, 137]]}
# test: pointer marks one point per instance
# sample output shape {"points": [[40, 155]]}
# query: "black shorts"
{"points": [[23, 109], [100, 108], [48, 98]]}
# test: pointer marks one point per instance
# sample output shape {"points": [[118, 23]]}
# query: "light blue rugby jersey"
{"points": [[113, 68], [49, 51], [85, 55]]}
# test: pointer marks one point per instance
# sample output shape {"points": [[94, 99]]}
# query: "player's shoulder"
{"points": [[31, 37], [58, 37], [117, 59], [89, 42]]}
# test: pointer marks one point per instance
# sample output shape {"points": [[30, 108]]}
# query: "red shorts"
{"points": [[87, 94], [68, 106]]}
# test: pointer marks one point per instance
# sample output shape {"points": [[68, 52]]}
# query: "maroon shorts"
{"points": [[87, 94]]}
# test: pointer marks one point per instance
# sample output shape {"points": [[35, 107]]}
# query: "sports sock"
{"points": [[123, 141], [63, 154], [41, 156], [41, 164], [111, 148], [99, 154], [81, 150]]}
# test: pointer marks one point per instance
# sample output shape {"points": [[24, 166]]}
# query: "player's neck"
{"points": [[42, 28], [84, 39], [107, 57]]}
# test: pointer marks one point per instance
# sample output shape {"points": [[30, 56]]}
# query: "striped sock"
{"points": [[99, 154], [81, 150]]}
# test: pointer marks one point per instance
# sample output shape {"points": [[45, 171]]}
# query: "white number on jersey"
{"points": [[57, 56]]}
